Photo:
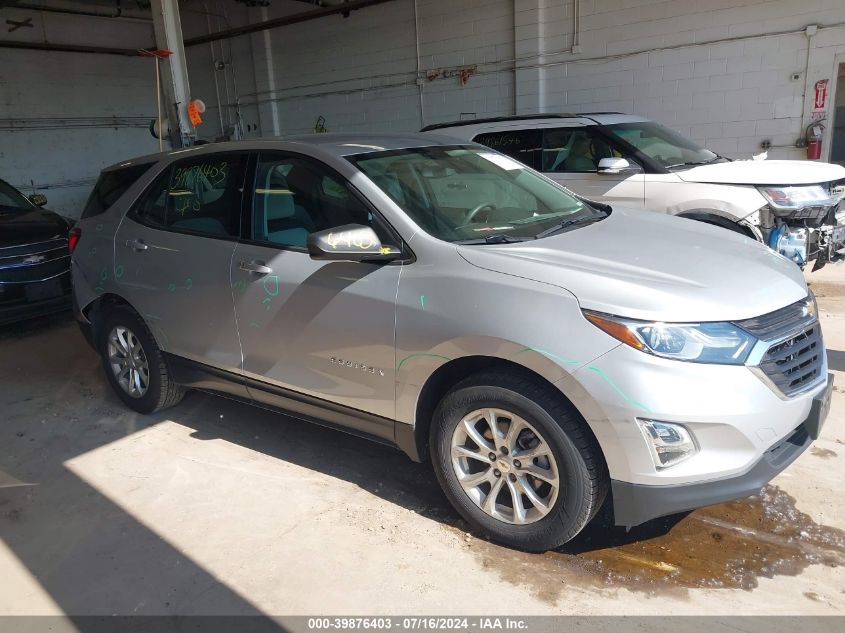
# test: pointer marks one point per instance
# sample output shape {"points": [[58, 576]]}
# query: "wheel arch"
{"points": [[414, 438], [95, 310], [723, 219]]}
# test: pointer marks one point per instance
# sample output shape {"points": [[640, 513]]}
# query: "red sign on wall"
{"points": [[821, 94]]}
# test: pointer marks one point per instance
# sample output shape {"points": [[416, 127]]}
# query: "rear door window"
{"points": [[526, 146], [110, 186], [197, 196]]}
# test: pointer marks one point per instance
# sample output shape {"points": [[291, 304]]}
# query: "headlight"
{"points": [[670, 443], [718, 343], [791, 198]]}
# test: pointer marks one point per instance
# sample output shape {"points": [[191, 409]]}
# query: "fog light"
{"points": [[670, 443]]}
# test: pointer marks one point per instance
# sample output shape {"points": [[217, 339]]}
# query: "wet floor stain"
{"points": [[731, 545], [824, 453]]}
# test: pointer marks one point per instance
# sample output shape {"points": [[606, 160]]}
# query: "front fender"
{"points": [[474, 312]]}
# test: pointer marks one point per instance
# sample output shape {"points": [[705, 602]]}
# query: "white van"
{"points": [[793, 206]]}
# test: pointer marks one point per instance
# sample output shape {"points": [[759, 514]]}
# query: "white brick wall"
{"points": [[656, 58], [45, 89]]}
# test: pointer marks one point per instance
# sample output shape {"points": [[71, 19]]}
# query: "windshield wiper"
{"points": [[562, 226], [499, 238], [696, 163]]}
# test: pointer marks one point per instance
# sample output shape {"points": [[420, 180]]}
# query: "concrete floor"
{"points": [[218, 508]]}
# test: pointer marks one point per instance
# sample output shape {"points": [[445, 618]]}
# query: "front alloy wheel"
{"points": [[516, 460], [505, 466]]}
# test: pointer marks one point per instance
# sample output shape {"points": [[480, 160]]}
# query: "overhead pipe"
{"points": [[284, 21], [70, 48], [117, 15]]}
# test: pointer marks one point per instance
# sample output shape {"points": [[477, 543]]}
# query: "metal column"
{"points": [[177, 90]]}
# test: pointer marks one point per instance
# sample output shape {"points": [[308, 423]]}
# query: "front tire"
{"points": [[134, 364], [516, 461]]}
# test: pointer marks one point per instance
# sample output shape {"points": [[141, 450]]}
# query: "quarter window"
{"points": [[197, 196], [110, 186]]}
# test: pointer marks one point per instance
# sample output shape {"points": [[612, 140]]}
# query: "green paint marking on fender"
{"points": [[420, 355], [118, 271], [616, 388], [171, 287], [189, 283], [422, 301], [555, 357]]}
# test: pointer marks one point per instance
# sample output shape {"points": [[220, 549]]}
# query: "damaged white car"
{"points": [[792, 206]]}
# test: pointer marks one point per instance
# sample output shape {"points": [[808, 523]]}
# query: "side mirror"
{"points": [[38, 199], [616, 166], [350, 243]]}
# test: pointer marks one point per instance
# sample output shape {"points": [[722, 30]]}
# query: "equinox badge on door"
{"points": [[353, 365]]}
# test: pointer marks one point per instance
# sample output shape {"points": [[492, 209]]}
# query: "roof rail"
{"points": [[515, 117]]}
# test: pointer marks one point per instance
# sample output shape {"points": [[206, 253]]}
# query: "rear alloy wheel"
{"points": [[517, 461], [128, 362], [133, 362]]}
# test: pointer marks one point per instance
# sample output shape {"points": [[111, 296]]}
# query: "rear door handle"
{"points": [[255, 268], [137, 245]]}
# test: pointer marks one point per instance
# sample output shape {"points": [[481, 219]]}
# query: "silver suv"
{"points": [[547, 353]]}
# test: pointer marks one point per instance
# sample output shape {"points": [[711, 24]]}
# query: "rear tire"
{"points": [[535, 504], [134, 364]]}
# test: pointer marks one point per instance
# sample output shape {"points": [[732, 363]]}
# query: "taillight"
{"points": [[73, 238]]}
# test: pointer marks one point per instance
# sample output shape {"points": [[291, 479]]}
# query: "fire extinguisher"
{"points": [[814, 141]]}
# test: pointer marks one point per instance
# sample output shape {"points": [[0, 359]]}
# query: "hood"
{"points": [[764, 172], [655, 267], [26, 227]]}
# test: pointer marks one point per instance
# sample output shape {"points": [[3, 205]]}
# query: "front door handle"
{"points": [[137, 245], [255, 268]]}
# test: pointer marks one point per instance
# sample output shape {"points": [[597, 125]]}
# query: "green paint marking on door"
{"points": [[422, 301], [118, 271], [272, 289], [189, 283]]}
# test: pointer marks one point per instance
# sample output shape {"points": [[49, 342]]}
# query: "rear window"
{"points": [[110, 186]]}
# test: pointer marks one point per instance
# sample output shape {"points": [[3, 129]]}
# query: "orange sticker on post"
{"points": [[194, 114]]}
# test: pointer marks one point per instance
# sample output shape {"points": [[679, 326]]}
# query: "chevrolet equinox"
{"points": [[546, 353]]}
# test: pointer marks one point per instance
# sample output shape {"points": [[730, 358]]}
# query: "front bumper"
{"points": [[744, 430], [18, 305], [634, 504]]}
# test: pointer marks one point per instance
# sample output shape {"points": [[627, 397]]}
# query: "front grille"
{"points": [[780, 323], [795, 363], [34, 262]]}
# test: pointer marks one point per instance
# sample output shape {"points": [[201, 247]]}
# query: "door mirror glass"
{"points": [[38, 199], [615, 166], [352, 242]]}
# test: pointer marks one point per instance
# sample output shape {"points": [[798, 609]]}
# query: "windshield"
{"points": [[663, 145], [461, 194], [13, 200]]}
